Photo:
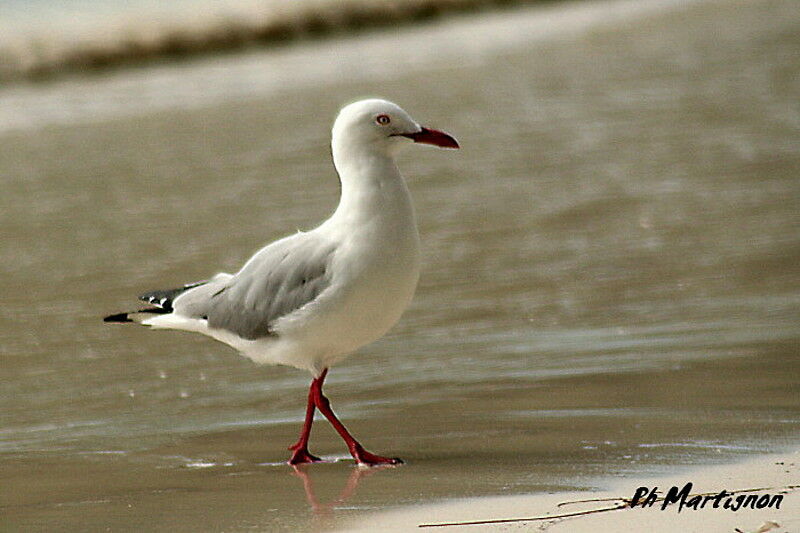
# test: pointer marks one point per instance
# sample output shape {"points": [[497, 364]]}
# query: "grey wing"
{"points": [[278, 280]]}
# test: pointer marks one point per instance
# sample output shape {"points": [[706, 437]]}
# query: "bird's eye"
{"points": [[383, 119]]}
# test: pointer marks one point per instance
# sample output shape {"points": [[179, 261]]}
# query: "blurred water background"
{"points": [[610, 283], [44, 38]]}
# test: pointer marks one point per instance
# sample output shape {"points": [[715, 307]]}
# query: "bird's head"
{"points": [[383, 125]]}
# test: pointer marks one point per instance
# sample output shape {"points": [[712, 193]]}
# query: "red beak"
{"points": [[434, 137]]}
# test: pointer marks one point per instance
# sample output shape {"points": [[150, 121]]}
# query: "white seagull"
{"points": [[310, 299]]}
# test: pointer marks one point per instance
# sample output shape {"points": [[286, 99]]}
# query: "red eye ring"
{"points": [[383, 119]]}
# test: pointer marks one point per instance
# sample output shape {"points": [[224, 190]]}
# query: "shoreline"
{"points": [[730, 493], [129, 42]]}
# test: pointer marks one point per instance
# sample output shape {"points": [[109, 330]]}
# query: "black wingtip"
{"points": [[119, 318], [163, 299]]}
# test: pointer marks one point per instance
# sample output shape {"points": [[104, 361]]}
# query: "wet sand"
{"points": [[561, 436], [609, 287]]}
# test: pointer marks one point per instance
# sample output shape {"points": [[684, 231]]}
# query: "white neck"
{"points": [[372, 188]]}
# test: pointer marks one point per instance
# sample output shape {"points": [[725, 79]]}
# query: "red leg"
{"points": [[301, 454], [358, 452]]}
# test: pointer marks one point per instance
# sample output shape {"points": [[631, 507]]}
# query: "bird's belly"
{"points": [[376, 304]]}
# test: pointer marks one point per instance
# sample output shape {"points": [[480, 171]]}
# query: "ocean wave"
{"points": [[87, 42]]}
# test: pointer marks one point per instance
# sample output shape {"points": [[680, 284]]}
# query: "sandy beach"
{"points": [[773, 475]]}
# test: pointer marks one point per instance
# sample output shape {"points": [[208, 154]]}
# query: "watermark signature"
{"points": [[684, 499], [647, 497]]}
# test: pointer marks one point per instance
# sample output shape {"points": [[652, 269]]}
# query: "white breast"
{"points": [[375, 272]]}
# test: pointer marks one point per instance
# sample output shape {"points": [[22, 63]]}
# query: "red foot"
{"points": [[363, 457], [301, 455]]}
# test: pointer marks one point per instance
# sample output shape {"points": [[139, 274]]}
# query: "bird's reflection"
{"points": [[325, 510]]}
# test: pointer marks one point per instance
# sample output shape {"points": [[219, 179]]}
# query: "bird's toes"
{"points": [[302, 456]]}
